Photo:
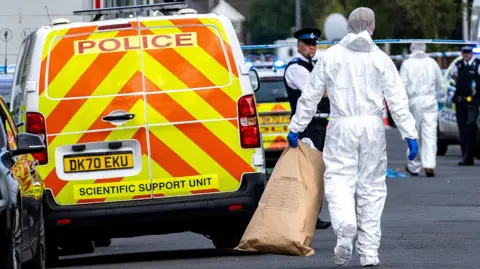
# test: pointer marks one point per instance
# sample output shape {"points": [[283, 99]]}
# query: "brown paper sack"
{"points": [[285, 219]]}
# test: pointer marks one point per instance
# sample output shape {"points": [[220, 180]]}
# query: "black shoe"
{"points": [[323, 224], [410, 172], [429, 172], [466, 163]]}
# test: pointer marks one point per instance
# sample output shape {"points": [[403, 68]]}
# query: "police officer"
{"points": [[467, 101], [296, 78]]}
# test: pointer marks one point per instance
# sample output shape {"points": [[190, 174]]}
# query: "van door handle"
{"points": [[127, 116]]}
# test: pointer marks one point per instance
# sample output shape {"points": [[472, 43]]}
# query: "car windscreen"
{"points": [[271, 91]]}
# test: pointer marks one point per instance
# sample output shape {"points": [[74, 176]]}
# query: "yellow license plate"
{"points": [[279, 119], [93, 162]]}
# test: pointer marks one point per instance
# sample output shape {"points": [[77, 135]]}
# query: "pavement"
{"points": [[428, 223]]}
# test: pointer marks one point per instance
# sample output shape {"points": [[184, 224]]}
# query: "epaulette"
{"points": [[294, 60]]}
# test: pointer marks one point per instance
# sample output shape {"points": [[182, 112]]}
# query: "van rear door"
{"points": [[91, 94], [192, 87]]}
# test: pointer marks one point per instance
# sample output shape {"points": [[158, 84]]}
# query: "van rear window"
{"points": [[271, 91]]}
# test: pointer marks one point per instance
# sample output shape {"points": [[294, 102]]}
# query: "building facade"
{"points": [[18, 18]]}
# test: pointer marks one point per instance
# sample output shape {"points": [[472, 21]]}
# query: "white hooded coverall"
{"points": [[357, 76], [422, 78]]}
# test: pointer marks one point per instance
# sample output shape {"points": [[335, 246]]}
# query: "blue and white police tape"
{"points": [[280, 64], [9, 69], [378, 41], [431, 54]]}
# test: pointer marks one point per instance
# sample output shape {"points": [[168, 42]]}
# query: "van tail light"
{"points": [[247, 119], [35, 124], [235, 207], [64, 222]]}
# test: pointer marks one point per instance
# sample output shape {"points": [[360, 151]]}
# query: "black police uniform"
{"points": [[316, 130], [467, 103]]}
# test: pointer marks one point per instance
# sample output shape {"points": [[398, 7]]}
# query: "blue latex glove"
{"points": [[413, 147], [292, 139], [441, 106]]}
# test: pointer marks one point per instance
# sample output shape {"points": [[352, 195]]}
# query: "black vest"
{"points": [[294, 94], [466, 75]]}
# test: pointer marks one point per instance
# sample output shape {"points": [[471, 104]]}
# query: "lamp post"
{"points": [[465, 20], [211, 5], [298, 14], [5, 35]]}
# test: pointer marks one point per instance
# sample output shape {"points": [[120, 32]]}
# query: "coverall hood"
{"points": [[419, 55], [360, 42]]}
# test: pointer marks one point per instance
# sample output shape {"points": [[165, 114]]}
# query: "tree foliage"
{"points": [[274, 19]]}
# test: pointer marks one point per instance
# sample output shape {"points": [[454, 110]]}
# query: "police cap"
{"points": [[467, 49], [308, 35]]}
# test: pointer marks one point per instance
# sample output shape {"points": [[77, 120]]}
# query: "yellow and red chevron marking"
{"points": [[273, 107], [116, 80], [274, 136], [278, 143]]}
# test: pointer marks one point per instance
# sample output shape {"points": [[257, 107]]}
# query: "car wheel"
{"points": [[15, 256], [442, 147], [39, 260], [226, 241]]}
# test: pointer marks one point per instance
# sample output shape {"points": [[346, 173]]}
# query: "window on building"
{"points": [[290, 52]]}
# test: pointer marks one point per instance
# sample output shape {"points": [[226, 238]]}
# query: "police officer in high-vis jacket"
{"points": [[466, 73], [296, 78]]}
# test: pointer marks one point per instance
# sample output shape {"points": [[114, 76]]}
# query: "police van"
{"points": [[151, 126]]}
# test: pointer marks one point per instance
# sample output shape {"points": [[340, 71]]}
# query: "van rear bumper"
{"points": [[199, 213]]}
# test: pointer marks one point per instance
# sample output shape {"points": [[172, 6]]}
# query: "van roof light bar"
{"points": [[162, 7]]}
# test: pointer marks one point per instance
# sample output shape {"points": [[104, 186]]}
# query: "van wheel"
{"points": [[226, 241], [51, 251], [77, 246], [103, 242], [442, 147]]}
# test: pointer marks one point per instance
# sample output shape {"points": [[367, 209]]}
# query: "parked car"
{"points": [[447, 131], [22, 237]]}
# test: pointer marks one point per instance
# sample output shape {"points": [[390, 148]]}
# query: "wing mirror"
{"points": [[254, 79], [28, 143]]}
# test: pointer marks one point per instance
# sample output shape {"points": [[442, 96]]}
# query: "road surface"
{"points": [[427, 223]]}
